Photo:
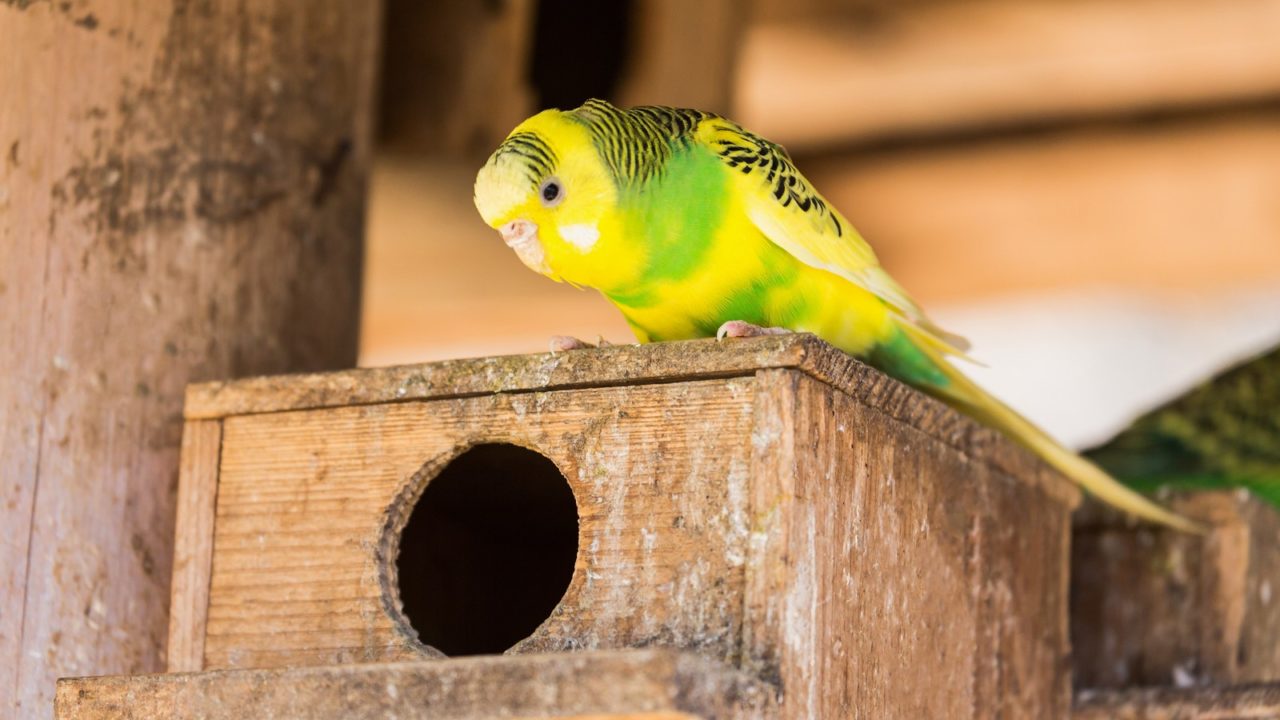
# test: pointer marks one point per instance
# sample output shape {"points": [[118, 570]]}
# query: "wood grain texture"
{"points": [[857, 546], [193, 544], [637, 685], [659, 474], [906, 580], [828, 77], [622, 364], [1243, 702], [1158, 608], [181, 198]]}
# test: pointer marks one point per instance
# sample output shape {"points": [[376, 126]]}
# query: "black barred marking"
{"points": [[540, 159], [747, 152], [636, 144]]}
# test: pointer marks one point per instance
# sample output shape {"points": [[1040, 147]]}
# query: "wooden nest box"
{"points": [[754, 528]]}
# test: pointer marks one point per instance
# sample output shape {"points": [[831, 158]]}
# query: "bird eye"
{"points": [[551, 191]]}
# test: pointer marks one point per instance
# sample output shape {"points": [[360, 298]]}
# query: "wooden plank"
{"points": [[626, 364], [639, 684], [893, 69], [914, 582], [616, 365], [1150, 607], [1177, 206], [1251, 702], [193, 544], [181, 197], [659, 473]]}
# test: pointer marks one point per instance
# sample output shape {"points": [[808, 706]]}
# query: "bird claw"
{"points": [[562, 343], [743, 329]]}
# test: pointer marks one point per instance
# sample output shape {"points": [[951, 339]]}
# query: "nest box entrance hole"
{"points": [[488, 550]]}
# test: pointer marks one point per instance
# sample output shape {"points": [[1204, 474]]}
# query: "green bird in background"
{"points": [[693, 226], [1224, 433]]}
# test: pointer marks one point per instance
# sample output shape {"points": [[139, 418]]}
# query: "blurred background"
{"points": [[1088, 189]]}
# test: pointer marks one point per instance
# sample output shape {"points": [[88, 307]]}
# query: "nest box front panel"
{"points": [[310, 505]]}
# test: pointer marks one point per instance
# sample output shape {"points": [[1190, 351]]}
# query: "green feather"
{"points": [[1224, 433]]}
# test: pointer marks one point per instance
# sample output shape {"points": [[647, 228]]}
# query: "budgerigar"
{"points": [[1224, 433], [694, 227]]}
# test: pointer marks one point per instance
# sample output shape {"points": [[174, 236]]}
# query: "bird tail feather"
{"points": [[963, 392]]}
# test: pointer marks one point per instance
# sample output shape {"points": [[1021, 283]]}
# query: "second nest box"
{"points": [[770, 504]]}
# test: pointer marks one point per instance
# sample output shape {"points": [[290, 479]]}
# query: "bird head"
{"points": [[548, 193]]}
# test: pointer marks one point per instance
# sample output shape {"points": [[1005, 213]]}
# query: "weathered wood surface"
{"points": [[891, 68], [846, 538], [1150, 607], [1242, 702], [181, 197], [894, 577], [643, 685], [616, 365], [193, 544], [660, 475]]}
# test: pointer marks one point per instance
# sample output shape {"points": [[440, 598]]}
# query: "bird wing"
{"points": [[1224, 432], [786, 208]]}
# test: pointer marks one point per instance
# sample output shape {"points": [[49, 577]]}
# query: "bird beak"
{"points": [[518, 232], [522, 236]]}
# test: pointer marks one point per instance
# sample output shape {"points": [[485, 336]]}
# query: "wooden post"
{"points": [[181, 197]]}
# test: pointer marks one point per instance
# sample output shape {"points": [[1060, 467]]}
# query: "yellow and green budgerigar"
{"points": [[695, 227]]}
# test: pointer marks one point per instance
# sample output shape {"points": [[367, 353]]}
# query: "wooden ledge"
{"points": [[649, 684], [1256, 702], [627, 365]]}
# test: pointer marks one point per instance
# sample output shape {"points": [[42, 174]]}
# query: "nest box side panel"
{"points": [[1156, 607], [896, 576], [193, 544], [660, 474]]}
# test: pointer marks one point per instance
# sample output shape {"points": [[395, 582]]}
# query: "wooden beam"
{"points": [[1202, 703], [1169, 206], [617, 685], [930, 68], [181, 197]]}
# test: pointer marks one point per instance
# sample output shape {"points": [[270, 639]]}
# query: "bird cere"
{"points": [[693, 226]]}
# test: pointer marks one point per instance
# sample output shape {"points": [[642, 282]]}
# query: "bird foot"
{"points": [[562, 343], [742, 329]]}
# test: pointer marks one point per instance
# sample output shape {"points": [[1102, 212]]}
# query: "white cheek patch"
{"points": [[581, 236]]}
